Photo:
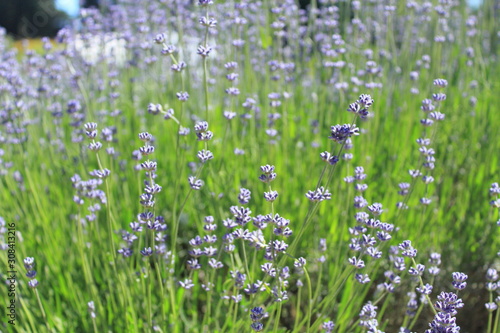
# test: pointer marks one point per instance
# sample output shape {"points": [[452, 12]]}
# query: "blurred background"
{"points": [[37, 18]]}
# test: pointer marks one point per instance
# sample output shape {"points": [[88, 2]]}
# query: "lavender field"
{"points": [[254, 166]]}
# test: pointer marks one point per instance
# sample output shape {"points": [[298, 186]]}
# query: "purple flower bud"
{"points": [[205, 155], [195, 183], [168, 50], [204, 51], [182, 96], [95, 146], [442, 83], [159, 39], [33, 283]]}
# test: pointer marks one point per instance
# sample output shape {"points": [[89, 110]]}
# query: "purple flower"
{"points": [[442, 83], [159, 39], [229, 115], [29, 262], [408, 250], [205, 2], [204, 51], [257, 314], [231, 66], [193, 264], [244, 196], [215, 264], [300, 262], [209, 22], [318, 195], [491, 274], [271, 196], [195, 183], [145, 136], [495, 189], [186, 284], [491, 306], [168, 49], [125, 252], [33, 283], [147, 251], [358, 263], [279, 246], [179, 67], [459, 280], [362, 278], [375, 209], [448, 303], [154, 109], [339, 133], [268, 173], [257, 326], [367, 317], [182, 96], [205, 155], [425, 289], [232, 91], [95, 146], [438, 97], [328, 326]]}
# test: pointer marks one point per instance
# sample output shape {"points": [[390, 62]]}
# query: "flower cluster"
{"points": [[360, 107], [256, 315], [29, 264], [91, 309], [365, 237], [328, 326], [368, 318], [430, 109], [147, 219], [445, 321]]}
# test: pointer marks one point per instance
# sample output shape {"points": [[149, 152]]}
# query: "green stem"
{"points": [[150, 283], [245, 259], [417, 314], [297, 307], [497, 319], [108, 211], [422, 285], [277, 317], [310, 300], [42, 310], [94, 325]]}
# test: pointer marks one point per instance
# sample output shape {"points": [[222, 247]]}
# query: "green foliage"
{"points": [[77, 262]]}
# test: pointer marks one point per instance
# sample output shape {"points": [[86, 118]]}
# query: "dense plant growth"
{"points": [[252, 166]]}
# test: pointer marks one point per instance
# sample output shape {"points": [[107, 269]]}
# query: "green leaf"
{"points": [[265, 38]]}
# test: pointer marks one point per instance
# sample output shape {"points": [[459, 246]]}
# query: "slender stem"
{"points": [[108, 210], [94, 325], [333, 294], [162, 289], [497, 319], [177, 222], [245, 259], [310, 300], [150, 283], [42, 310], [415, 318], [319, 285], [205, 71], [277, 317], [205, 84], [422, 285], [173, 302], [297, 307], [235, 313]]}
